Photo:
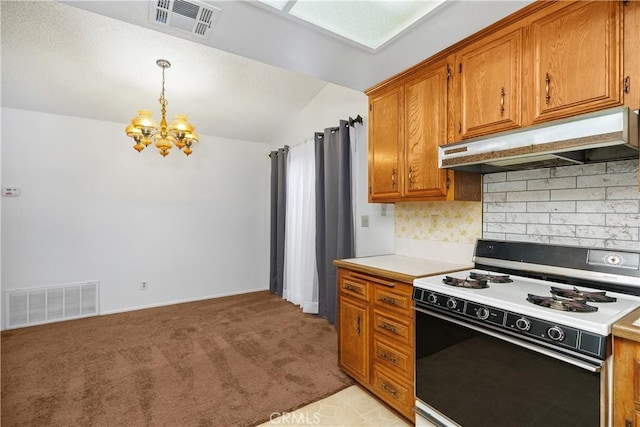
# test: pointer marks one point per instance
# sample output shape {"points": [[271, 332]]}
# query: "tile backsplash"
{"points": [[456, 222], [596, 205]]}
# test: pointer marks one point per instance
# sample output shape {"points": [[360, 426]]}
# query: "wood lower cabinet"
{"points": [[375, 336], [626, 383], [354, 338]]}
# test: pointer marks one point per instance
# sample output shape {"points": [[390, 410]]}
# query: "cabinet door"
{"points": [[631, 82], [626, 382], [353, 330], [386, 136], [426, 129], [576, 59], [490, 86]]}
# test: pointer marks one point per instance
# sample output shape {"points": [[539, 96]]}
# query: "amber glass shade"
{"points": [[180, 126], [145, 122]]}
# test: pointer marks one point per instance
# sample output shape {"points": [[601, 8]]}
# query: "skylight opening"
{"points": [[369, 23]]}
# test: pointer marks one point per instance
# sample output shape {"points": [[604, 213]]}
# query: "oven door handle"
{"points": [[553, 354]]}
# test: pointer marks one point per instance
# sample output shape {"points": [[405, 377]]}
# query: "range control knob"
{"points": [[452, 303], [432, 298], [555, 333], [523, 324], [482, 313]]}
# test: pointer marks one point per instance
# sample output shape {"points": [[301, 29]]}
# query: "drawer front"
{"points": [[396, 393], [397, 302], [393, 328], [354, 289], [399, 361]]}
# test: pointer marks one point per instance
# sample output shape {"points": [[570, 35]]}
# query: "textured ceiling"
{"points": [[96, 59]]}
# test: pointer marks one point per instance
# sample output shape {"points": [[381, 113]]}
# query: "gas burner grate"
{"points": [[578, 306], [577, 294], [465, 283], [491, 277]]}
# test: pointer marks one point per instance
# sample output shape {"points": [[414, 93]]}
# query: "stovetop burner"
{"points": [[469, 282], [477, 280], [491, 277], [575, 305], [577, 294]]}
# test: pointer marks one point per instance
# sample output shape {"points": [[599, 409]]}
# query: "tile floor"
{"points": [[351, 407]]}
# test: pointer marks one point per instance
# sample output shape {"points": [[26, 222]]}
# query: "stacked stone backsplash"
{"points": [[595, 205]]}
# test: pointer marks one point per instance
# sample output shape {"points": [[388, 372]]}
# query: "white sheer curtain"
{"points": [[300, 274]]}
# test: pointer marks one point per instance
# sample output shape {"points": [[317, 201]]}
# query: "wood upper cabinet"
{"points": [[426, 129], [386, 143], [407, 124], [489, 88], [576, 59], [631, 42]]}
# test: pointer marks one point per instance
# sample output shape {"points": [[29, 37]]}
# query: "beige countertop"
{"points": [[399, 267], [628, 327]]}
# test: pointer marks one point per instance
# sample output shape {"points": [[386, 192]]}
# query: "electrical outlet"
{"points": [[365, 221], [144, 285]]}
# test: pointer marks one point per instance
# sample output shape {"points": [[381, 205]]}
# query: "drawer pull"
{"points": [[384, 355], [387, 300], [388, 327], [392, 391], [352, 288]]}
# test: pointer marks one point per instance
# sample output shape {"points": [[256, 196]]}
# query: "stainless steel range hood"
{"points": [[595, 137]]}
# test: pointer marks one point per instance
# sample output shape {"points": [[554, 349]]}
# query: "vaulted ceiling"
{"points": [[257, 68]]}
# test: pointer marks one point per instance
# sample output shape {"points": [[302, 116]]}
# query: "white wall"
{"points": [[332, 104], [92, 208]]}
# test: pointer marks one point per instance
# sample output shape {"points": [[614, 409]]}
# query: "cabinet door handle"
{"points": [[547, 89], [388, 327], [352, 288], [384, 355], [627, 84], [393, 178], [358, 325], [392, 391], [410, 176], [502, 102], [628, 423], [387, 300]]}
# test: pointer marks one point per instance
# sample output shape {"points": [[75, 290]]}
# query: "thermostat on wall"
{"points": [[10, 191]]}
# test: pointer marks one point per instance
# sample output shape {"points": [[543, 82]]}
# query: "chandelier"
{"points": [[144, 129]]}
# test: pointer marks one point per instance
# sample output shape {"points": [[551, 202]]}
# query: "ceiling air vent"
{"points": [[188, 16]]}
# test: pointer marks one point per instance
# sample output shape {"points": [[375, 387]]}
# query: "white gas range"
{"points": [[543, 309]]}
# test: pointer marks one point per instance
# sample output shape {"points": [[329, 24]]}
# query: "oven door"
{"points": [[471, 376]]}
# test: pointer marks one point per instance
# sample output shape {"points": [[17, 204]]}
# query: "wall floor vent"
{"points": [[187, 16], [34, 306]]}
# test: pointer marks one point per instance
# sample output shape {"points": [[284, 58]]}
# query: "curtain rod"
{"points": [[352, 122]]}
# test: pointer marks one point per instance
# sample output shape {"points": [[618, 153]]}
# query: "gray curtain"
{"points": [[278, 210], [334, 224]]}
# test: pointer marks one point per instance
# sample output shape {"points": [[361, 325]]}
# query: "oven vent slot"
{"points": [[35, 306]]}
